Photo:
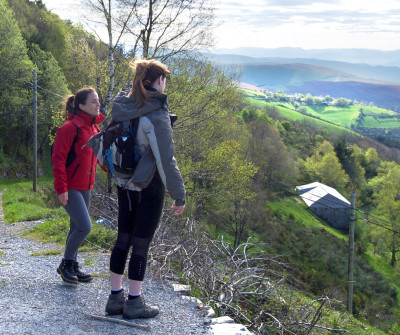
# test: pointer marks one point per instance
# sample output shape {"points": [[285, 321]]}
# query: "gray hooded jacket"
{"points": [[155, 144]]}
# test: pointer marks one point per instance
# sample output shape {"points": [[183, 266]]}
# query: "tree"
{"points": [[250, 113], [350, 159], [199, 91], [160, 29], [41, 27], [232, 175], [206, 101], [16, 72], [269, 153], [53, 87], [387, 198], [165, 28], [342, 102], [308, 99], [372, 163], [325, 166], [113, 15]]}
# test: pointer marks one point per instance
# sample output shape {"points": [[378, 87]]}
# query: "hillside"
{"points": [[382, 95], [355, 56], [362, 82], [375, 72], [250, 249], [356, 118]]}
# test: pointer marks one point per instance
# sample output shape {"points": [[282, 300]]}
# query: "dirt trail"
{"points": [[34, 300]]}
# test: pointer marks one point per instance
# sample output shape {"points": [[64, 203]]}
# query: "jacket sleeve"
{"points": [[162, 146], [62, 144]]}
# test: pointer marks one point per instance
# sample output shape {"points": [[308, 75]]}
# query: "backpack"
{"points": [[71, 153], [116, 148]]}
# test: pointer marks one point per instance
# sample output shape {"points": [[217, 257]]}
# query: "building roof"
{"points": [[320, 195]]}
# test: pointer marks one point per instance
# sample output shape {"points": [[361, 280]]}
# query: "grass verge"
{"points": [[21, 203]]}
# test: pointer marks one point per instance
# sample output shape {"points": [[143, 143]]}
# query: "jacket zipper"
{"points": [[91, 165]]}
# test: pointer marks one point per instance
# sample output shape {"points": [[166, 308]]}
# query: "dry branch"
{"points": [[123, 322]]}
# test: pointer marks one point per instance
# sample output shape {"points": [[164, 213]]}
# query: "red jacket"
{"points": [[80, 175]]}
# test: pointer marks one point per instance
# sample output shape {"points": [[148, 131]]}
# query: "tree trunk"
{"points": [[111, 59], [393, 260]]}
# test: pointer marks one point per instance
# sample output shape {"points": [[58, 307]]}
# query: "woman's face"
{"points": [[163, 84], [160, 84], [92, 105]]}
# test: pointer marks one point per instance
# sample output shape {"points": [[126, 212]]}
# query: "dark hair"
{"points": [[146, 73], [72, 101]]}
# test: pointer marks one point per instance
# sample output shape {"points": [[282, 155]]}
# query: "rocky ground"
{"points": [[34, 299]]}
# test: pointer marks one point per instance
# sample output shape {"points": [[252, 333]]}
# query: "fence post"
{"points": [[351, 253], [34, 130]]}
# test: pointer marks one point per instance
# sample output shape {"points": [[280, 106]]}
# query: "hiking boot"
{"points": [[82, 277], [137, 308], [67, 272], [115, 303]]}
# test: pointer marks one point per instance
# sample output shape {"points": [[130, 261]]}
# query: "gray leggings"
{"points": [[79, 224]]}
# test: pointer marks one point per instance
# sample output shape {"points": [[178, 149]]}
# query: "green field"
{"points": [[292, 115], [372, 122], [343, 116], [374, 117]]}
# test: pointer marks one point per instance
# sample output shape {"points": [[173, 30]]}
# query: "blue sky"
{"points": [[309, 24]]}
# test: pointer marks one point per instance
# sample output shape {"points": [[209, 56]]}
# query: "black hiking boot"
{"points": [[137, 308], [82, 277], [67, 272], [115, 303]]}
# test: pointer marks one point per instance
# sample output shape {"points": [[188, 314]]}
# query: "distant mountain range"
{"points": [[358, 56], [283, 69]]}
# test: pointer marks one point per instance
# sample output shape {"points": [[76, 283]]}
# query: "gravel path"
{"points": [[34, 299]]}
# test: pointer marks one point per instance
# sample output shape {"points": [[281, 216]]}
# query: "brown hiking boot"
{"points": [[137, 308], [115, 303], [82, 277], [67, 272]]}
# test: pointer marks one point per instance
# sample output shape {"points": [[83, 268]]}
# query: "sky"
{"points": [[308, 24]]}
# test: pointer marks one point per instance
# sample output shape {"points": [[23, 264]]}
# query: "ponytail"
{"points": [[146, 73], [69, 102]]}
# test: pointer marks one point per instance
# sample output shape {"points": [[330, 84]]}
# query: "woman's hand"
{"points": [[63, 197], [178, 210]]}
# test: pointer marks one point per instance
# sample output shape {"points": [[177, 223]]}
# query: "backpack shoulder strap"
{"points": [[135, 124]]}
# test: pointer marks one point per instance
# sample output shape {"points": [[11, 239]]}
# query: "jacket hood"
{"points": [[124, 107]]}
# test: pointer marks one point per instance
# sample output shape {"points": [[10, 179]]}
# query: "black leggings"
{"points": [[138, 217]]}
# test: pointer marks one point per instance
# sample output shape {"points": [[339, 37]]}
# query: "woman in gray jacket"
{"points": [[141, 196]]}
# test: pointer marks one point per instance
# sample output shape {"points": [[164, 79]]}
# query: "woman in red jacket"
{"points": [[74, 169]]}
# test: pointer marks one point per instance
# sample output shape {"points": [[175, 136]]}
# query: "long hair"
{"points": [[146, 73], [72, 102]]}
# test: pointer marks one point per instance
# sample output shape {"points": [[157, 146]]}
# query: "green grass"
{"points": [[21, 203], [46, 253], [382, 266], [56, 230], [52, 230], [338, 318], [293, 115], [293, 208], [340, 116], [373, 122], [343, 116]]}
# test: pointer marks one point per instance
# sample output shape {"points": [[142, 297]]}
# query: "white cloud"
{"points": [[310, 24], [373, 24]]}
